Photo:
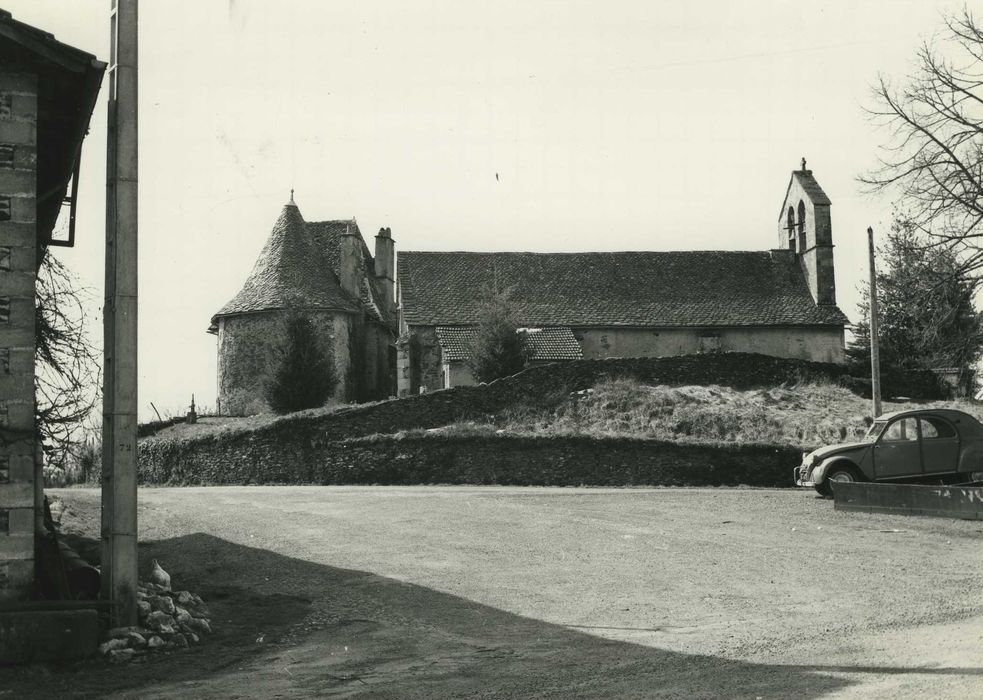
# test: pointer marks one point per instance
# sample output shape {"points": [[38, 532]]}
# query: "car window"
{"points": [[903, 430], [933, 428], [874, 431]]}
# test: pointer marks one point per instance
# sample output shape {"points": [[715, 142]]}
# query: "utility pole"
{"points": [[119, 413], [875, 359]]}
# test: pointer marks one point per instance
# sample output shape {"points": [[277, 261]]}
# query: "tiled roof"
{"points": [[635, 289], [326, 235], [542, 343], [298, 268], [290, 273]]}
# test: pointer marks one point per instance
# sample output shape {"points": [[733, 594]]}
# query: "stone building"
{"points": [[47, 93], [778, 302], [323, 270]]}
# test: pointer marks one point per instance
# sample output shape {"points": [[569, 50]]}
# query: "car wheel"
{"points": [[835, 473]]}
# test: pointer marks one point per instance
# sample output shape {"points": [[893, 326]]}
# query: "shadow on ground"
{"points": [[289, 628]]}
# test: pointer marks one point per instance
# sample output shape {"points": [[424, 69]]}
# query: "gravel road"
{"points": [[413, 592]]}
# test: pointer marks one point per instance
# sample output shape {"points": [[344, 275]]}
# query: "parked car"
{"points": [[935, 445]]}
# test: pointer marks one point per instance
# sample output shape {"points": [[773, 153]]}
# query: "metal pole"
{"points": [[119, 448], [875, 360]]}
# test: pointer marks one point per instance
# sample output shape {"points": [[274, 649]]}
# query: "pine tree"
{"points": [[304, 376], [926, 317], [499, 348]]}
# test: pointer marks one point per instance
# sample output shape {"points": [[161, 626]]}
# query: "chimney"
{"points": [[350, 261], [385, 262]]}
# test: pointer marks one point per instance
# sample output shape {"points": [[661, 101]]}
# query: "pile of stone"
{"points": [[169, 620]]}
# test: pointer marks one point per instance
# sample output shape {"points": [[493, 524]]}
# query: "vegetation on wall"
{"points": [[304, 376]]}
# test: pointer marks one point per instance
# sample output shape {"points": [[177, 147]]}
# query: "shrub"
{"points": [[498, 349], [304, 377]]}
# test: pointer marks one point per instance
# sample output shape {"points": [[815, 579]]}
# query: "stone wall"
{"points": [[295, 435], [803, 343], [378, 364], [424, 367], [248, 348], [287, 458], [19, 478], [425, 362], [816, 255]]}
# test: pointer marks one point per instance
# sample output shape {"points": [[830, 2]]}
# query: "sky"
{"points": [[536, 126]]}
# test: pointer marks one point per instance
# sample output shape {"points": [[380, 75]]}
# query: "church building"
{"points": [[779, 302], [324, 271]]}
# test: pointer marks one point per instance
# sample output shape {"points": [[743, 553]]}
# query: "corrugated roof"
{"points": [[542, 343], [636, 289]]}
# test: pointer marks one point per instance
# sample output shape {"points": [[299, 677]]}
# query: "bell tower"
{"points": [[804, 227]]}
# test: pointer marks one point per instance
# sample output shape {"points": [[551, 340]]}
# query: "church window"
{"points": [[802, 226], [791, 228]]}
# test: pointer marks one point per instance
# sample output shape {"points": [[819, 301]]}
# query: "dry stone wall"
{"points": [[318, 447], [505, 460]]}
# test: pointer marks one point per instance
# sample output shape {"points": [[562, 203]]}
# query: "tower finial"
{"points": [[292, 195], [803, 166]]}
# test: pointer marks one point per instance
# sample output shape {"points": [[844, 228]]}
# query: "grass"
{"points": [[806, 414]]}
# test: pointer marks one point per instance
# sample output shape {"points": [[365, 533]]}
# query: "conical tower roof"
{"points": [[291, 272]]}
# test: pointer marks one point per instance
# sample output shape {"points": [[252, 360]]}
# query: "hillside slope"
{"points": [[806, 414]]}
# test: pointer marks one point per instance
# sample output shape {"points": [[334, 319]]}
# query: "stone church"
{"points": [[323, 270], [778, 302]]}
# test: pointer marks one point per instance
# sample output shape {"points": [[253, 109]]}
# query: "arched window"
{"points": [[790, 228], [802, 226]]}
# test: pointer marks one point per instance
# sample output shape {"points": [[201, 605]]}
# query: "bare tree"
{"points": [[68, 367], [933, 160]]}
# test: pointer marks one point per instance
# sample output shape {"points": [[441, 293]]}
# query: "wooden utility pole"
{"points": [[875, 359], [119, 412]]}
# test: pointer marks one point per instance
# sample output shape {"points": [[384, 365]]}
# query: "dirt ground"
{"points": [[439, 592]]}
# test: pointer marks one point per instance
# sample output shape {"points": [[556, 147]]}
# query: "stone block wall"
{"points": [[281, 458], [422, 365], [248, 348], [290, 449], [816, 344], [19, 477]]}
